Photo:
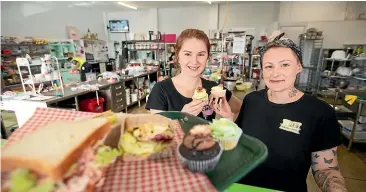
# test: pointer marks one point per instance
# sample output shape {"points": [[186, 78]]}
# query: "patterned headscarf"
{"points": [[277, 39]]}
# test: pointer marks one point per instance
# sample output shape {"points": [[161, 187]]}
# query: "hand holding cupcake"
{"points": [[200, 94], [200, 100]]}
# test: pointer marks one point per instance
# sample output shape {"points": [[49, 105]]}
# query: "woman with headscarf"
{"points": [[300, 131]]}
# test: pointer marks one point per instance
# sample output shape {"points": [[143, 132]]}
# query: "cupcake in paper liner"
{"points": [[218, 91], [226, 132], [200, 94], [199, 152]]}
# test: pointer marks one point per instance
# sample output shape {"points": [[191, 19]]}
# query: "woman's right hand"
{"points": [[221, 107], [195, 107]]}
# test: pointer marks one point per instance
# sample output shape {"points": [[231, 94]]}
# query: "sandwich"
{"points": [[147, 136], [60, 156], [200, 94]]}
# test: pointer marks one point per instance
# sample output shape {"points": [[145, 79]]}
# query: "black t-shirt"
{"points": [[164, 96], [291, 132]]}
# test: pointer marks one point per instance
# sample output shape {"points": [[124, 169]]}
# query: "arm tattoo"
{"points": [[328, 161], [334, 152], [328, 182]]}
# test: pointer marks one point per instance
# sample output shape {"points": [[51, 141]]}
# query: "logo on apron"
{"points": [[207, 111]]}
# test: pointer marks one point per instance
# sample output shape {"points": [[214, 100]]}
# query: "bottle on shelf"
{"points": [[88, 35]]}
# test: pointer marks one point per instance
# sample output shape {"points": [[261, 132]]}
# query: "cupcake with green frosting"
{"points": [[226, 132]]}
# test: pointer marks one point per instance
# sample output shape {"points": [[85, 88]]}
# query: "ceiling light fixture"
{"points": [[127, 5], [209, 2]]}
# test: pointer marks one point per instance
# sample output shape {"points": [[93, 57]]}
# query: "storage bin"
{"points": [[169, 38], [91, 105]]}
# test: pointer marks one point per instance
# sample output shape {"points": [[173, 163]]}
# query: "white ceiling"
{"points": [[112, 5]]}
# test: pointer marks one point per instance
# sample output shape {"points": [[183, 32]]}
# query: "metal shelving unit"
{"points": [[156, 47], [312, 50], [135, 46], [10, 51], [359, 110]]}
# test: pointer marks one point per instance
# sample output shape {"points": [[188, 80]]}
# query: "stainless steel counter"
{"points": [[358, 107], [68, 93]]}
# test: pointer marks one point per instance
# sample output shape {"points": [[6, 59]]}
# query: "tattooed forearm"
{"points": [[324, 165], [330, 180]]}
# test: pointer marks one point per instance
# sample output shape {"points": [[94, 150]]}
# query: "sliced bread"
{"points": [[53, 148]]}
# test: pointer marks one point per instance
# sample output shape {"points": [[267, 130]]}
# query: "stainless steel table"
{"points": [[358, 107]]}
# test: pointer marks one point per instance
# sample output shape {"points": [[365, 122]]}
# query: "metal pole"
{"points": [[360, 104], [331, 68], [76, 103], [59, 75], [335, 98], [320, 75]]}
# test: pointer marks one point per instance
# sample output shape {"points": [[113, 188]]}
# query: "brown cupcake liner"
{"points": [[200, 166]]}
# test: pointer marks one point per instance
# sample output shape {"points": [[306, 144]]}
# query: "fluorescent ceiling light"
{"points": [[127, 5]]}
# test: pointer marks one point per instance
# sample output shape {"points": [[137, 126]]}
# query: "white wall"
{"points": [[168, 20], [48, 20], [328, 17], [261, 16], [43, 20], [140, 21], [175, 20], [312, 11], [338, 33]]}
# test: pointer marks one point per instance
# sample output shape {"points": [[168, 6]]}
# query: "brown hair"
{"points": [[189, 34]]}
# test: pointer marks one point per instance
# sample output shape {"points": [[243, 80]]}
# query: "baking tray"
{"points": [[234, 164]]}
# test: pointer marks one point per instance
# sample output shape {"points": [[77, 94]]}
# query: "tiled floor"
{"points": [[352, 167]]}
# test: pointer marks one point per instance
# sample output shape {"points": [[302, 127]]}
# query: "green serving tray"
{"points": [[234, 164]]}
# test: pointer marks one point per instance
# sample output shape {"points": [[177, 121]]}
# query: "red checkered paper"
{"points": [[41, 117], [142, 176]]}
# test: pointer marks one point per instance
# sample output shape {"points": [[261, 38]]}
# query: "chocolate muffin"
{"points": [[199, 151]]}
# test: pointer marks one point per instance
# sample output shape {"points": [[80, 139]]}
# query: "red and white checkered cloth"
{"points": [[143, 176]]}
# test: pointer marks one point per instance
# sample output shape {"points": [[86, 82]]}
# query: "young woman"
{"points": [[175, 94], [299, 130], [171, 61]]}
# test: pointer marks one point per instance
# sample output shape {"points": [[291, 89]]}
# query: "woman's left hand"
{"points": [[221, 107]]}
